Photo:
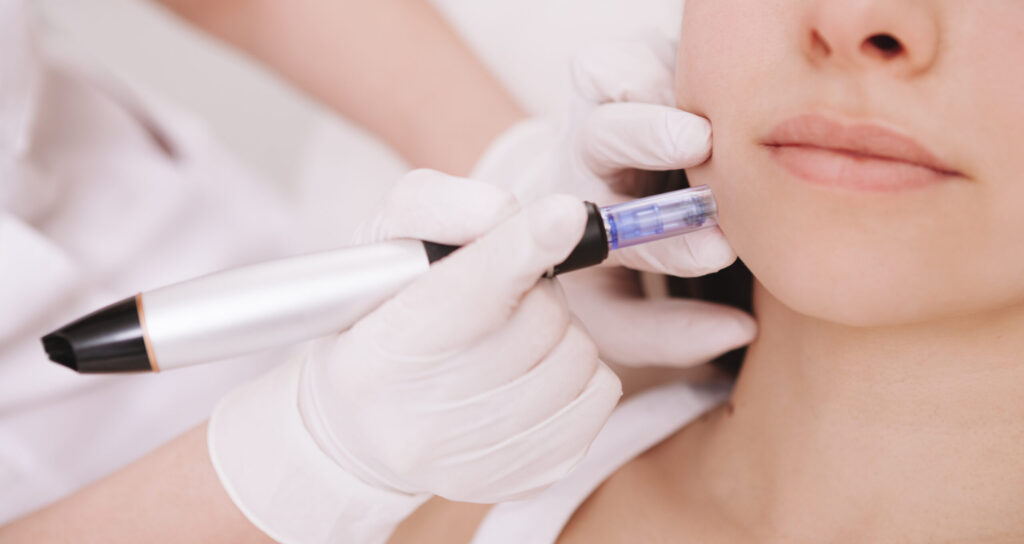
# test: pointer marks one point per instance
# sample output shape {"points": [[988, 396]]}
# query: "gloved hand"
{"points": [[473, 383], [623, 126]]}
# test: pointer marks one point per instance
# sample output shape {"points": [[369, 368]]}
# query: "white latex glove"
{"points": [[623, 123], [473, 383]]}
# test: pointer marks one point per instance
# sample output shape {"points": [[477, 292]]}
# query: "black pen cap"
{"points": [[593, 247], [591, 250], [108, 340]]}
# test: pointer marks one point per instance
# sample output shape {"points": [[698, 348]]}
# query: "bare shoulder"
{"points": [[613, 513], [649, 499], [440, 521]]}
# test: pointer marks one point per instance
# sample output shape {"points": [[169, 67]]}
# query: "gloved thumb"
{"points": [[475, 290], [430, 205]]}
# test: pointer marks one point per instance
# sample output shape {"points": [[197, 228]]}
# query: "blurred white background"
{"points": [[258, 117], [288, 139]]}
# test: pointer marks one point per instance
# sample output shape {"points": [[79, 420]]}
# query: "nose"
{"points": [[898, 35]]}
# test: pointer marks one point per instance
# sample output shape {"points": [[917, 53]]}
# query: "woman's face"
{"points": [[868, 154]]}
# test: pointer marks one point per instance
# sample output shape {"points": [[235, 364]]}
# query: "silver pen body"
{"points": [[275, 303], [239, 311], [291, 300]]}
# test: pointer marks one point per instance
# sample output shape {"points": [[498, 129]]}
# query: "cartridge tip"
{"points": [[660, 216]]}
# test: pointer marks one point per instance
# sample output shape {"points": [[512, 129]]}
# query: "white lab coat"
{"points": [[103, 192]]}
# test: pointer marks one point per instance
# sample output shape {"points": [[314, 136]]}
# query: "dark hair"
{"points": [[732, 286]]}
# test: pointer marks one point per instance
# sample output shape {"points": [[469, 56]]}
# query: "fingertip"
{"points": [[431, 187], [729, 330], [689, 136], [746, 328], [434, 206], [556, 223], [711, 250], [690, 332], [620, 136], [729, 325], [692, 255], [607, 384]]}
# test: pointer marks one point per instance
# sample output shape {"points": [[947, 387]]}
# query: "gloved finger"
{"points": [[474, 291], [618, 137], [430, 205], [541, 455], [532, 332], [670, 332], [491, 416], [622, 72], [690, 255]]}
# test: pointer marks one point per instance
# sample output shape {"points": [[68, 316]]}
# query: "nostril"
{"points": [[819, 45], [884, 45]]}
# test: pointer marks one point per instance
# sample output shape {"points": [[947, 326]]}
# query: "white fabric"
{"points": [[19, 73], [107, 192], [282, 481], [634, 427]]}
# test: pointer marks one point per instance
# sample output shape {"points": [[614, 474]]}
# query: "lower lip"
{"points": [[833, 168]]}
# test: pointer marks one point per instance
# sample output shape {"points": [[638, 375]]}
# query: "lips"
{"points": [[859, 156]]}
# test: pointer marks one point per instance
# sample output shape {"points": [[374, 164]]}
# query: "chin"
{"points": [[853, 262], [841, 291]]}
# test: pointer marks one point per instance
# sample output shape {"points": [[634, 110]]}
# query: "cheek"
{"points": [[718, 62], [855, 258], [990, 124], [863, 260]]}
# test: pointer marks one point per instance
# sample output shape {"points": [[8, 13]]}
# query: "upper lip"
{"points": [[865, 139]]}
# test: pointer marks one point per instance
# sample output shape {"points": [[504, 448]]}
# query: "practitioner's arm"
{"points": [[347, 439], [170, 495], [393, 66]]}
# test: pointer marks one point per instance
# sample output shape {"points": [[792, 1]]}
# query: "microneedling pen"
{"points": [[290, 300]]}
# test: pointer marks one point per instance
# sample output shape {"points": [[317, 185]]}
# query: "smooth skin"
{"points": [[393, 66], [437, 106], [882, 399]]}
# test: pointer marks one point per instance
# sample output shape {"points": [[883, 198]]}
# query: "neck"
{"points": [[908, 432]]}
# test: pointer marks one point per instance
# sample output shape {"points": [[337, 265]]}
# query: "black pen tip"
{"points": [[59, 350], [108, 340]]}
